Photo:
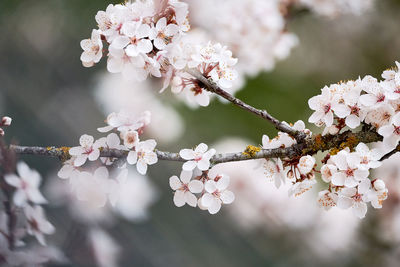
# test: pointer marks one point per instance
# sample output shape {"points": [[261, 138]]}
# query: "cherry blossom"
{"points": [[217, 194], [162, 34], [199, 157], [185, 188], [274, 171], [391, 132], [378, 194], [143, 155], [92, 49], [37, 223], [322, 104], [27, 185], [327, 199], [5, 121], [88, 149], [68, 170], [355, 198]]}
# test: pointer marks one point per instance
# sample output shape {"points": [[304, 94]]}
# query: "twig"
{"points": [[212, 87]]}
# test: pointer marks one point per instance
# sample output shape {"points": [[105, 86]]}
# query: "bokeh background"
{"points": [[53, 100]]}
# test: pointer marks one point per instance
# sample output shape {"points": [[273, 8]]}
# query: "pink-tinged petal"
{"points": [[86, 140], [105, 129], [210, 186], [316, 117], [65, 171], [215, 206], [189, 165], [360, 209], [94, 155], [19, 198], [171, 30], [186, 176], [151, 158], [350, 182], [120, 42], [364, 186], [203, 164], [115, 65], [207, 200], [13, 180], [86, 44], [227, 197], [386, 130], [87, 56], [179, 199], [35, 196], [132, 50], [341, 110], [223, 183], [396, 119], [361, 174], [368, 100], [175, 183], [196, 186], [132, 157], [190, 199], [338, 179], [145, 46], [80, 160], [159, 44], [201, 148], [76, 151], [161, 24], [141, 167], [353, 121], [328, 119], [344, 202], [203, 99]]}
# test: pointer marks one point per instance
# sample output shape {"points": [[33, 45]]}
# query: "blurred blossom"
{"points": [[105, 249], [333, 8], [114, 93], [259, 204]]}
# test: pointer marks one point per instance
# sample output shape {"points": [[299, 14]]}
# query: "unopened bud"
{"points": [[6, 121], [379, 185], [1, 132]]}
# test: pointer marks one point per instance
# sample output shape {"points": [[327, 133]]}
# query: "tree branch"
{"points": [[310, 146], [212, 87]]}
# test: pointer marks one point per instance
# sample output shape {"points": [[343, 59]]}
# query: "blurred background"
{"points": [[54, 100]]}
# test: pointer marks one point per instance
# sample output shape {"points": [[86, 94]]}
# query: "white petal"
{"points": [[227, 197], [210, 186], [13, 180], [196, 186], [368, 100], [179, 199], [120, 42], [215, 206], [189, 165], [386, 130], [190, 199], [207, 200], [201, 148], [80, 160], [132, 157], [344, 202], [338, 179], [360, 210], [223, 182], [186, 176], [145, 46], [175, 183], [203, 164], [353, 121], [187, 154], [141, 167]]}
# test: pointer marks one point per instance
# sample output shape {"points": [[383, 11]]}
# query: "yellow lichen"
{"points": [[251, 151]]}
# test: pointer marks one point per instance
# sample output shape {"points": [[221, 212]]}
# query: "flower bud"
{"points": [[379, 185], [1, 132], [6, 121]]}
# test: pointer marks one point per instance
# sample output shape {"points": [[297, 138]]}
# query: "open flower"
{"points": [[143, 155], [199, 157], [26, 184], [391, 133], [322, 106], [162, 34], [185, 189], [87, 150], [217, 194], [275, 172], [92, 49], [38, 224], [355, 198]]}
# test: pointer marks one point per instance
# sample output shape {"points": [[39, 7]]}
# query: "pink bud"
{"points": [[1, 132], [6, 121]]}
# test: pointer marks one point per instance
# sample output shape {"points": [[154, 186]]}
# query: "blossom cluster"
{"points": [[150, 37], [349, 184], [28, 197], [102, 185], [5, 122], [300, 172], [197, 178]]}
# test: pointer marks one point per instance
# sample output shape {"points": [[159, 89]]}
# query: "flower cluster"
{"points": [[28, 197], [299, 171], [149, 37], [210, 187], [349, 184], [5, 122], [197, 178], [98, 186]]}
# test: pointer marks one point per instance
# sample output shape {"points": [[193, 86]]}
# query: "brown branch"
{"points": [[212, 87], [310, 146]]}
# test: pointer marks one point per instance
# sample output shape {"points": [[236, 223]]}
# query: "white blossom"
{"points": [[143, 155], [37, 223], [199, 157], [88, 149], [185, 188], [27, 185], [92, 49], [217, 194]]}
